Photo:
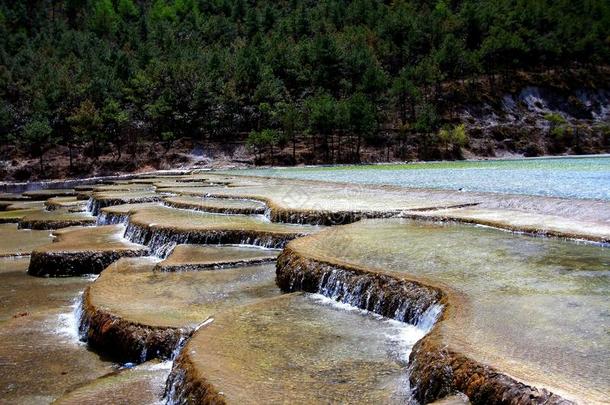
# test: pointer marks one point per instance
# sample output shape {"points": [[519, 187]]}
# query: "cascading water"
{"points": [[429, 317], [106, 218], [177, 375], [71, 324], [162, 241], [396, 299]]}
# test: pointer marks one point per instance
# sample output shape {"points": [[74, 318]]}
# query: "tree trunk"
{"points": [[70, 147], [339, 148], [271, 154], [403, 108], [95, 148]]}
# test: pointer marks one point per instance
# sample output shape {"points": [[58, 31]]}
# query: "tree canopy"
{"points": [[100, 71]]}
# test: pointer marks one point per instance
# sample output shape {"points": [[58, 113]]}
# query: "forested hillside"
{"points": [[102, 76]]}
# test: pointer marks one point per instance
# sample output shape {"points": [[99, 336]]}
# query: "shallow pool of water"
{"points": [[573, 177], [40, 355], [301, 348], [535, 308]]}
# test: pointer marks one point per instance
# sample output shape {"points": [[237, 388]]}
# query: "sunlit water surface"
{"points": [[571, 177], [536, 307]]}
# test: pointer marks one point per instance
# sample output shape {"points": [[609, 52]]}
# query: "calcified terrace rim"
{"points": [[126, 325], [99, 200], [147, 227], [82, 250], [124, 339], [277, 212], [55, 219], [436, 370], [593, 213], [216, 205]]}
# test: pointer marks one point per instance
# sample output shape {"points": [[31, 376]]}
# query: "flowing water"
{"points": [[307, 349], [15, 242], [130, 289], [536, 308], [40, 354], [573, 177]]}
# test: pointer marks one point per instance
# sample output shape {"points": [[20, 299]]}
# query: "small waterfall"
{"points": [[93, 206], [162, 241], [106, 218], [102, 219], [89, 206], [71, 324], [177, 377], [82, 319], [429, 317], [382, 294]]}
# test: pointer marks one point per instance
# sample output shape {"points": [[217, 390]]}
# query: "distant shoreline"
{"points": [[227, 165]]}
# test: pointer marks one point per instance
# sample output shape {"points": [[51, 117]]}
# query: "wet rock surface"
{"points": [[520, 221], [325, 204], [99, 200], [17, 242], [438, 371], [319, 202], [55, 219], [161, 228], [137, 314], [72, 204], [143, 384], [508, 300], [457, 399], [197, 257], [44, 194], [14, 216], [503, 300], [219, 205], [391, 295], [8, 205], [305, 350], [40, 356], [119, 214], [86, 250]]}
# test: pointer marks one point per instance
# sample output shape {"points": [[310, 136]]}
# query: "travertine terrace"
{"points": [[379, 294]]}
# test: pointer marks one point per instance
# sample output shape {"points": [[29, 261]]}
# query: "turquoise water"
{"points": [[571, 177]]}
